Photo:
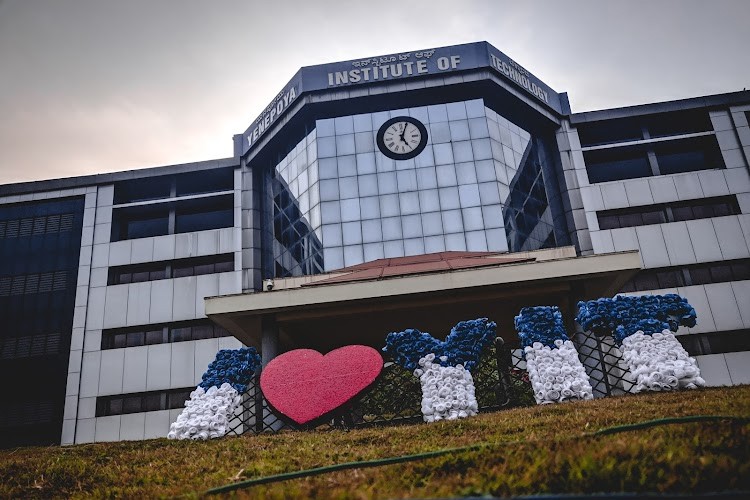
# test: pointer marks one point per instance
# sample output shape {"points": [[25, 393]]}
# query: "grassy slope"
{"points": [[552, 456]]}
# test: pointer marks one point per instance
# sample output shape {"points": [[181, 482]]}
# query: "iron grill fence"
{"points": [[500, 379]]}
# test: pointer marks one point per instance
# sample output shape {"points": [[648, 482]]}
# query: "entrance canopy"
{"points": [[362, 304]]}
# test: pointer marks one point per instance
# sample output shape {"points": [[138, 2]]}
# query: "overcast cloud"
{"points": [[90, 86]]}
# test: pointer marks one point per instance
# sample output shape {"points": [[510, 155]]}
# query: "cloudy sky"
{"points": [[89, 86]]}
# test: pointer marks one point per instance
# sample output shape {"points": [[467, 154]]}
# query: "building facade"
{"points": [[451, 149]]}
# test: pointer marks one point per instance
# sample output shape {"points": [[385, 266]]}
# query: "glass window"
{"points": [[443, 155], [362, 123], [434, 244], [205, 181], [407, 180], [389, 205], [393, 248], [412, 226], [353, 255], [459, 130], [688, 155], [432, 224], [680, 213], [119, 340], [488, 193], [455, 242], [468, 195], [367, 185], [409, 203], [327, 168], [373, 251], [387, 183], [131, 404], [700, 276], [189, 221], [369, 207], [482, 149], [152, 402], [472, 218], [449, 198], [343, 125], [721, 273], [345, 145], [414, 246], [114, 407], [371, 232], [352, 233], [391, 228], [350, 210], [426, 178], [143, 228], [429, 200], [438, 113], [326, 149], [452, 221], [619, 130], [330, 211], [616, 164], [154, 337], [446, 175], [462, 151], [476, 241], [347, 165], [466, 173], [426, 158], [333, 257], [456, 110], [136, 339], [348, 188], [366, 163]]}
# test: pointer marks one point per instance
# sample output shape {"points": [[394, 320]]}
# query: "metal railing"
{"points": [[500, 379]]}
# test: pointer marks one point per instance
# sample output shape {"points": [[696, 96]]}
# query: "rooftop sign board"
{"points": [[443, 60]]}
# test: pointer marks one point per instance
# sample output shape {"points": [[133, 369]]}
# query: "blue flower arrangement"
{"points": [[540, 324], [624, 315], [233, 366], [463, 345]]}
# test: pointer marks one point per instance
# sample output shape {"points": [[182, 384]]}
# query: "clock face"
{"points": [[402, 138]]}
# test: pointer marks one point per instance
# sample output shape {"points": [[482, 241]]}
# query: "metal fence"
{"points": [[500, 380]]}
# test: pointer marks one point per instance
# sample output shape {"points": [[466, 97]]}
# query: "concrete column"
{"points": [[269, 345]]}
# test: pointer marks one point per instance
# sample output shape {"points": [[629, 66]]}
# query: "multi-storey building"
{"points": [[103, 277]]}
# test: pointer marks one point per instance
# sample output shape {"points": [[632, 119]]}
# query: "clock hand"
{"points": [[402, 135]]}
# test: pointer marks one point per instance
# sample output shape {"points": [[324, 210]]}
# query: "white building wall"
{"points": [[719, 306], [152, 367]]}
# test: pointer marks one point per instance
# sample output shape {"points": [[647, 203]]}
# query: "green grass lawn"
{"points": [[543, 449]]}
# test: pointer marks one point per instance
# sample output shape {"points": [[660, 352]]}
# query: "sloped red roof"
{"points": [[417, 264]]}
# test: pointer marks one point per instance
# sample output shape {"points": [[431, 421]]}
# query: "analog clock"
{"points": [[402, 138]]}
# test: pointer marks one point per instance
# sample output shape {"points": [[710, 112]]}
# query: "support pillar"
{"points": [[269, 345]]}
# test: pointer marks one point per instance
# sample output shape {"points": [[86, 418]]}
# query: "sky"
{"points": [[93, 86]]}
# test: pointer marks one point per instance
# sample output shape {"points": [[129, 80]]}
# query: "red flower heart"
{"points": [[306, 386]]}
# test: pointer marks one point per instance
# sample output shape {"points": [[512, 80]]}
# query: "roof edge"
{"points": [[110, 177], [709, 101]]}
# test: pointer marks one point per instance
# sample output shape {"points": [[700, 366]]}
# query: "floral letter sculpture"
{"points": [[444, 367], [213, 403], [643, 326], [555, 371]]}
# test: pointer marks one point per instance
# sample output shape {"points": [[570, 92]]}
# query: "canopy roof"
{"points": [[362, 304]]}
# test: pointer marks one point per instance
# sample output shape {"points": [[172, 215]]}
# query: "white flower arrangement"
{"points": [[556, 373], [658, 362], [206, 414], [448, 392]]}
